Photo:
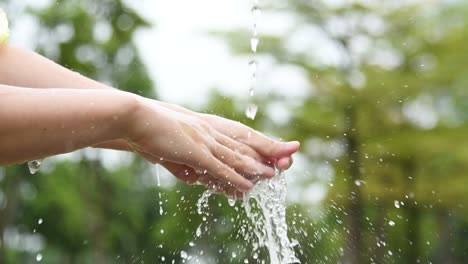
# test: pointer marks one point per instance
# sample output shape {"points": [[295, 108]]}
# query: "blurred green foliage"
{"points": [[386, 113]]}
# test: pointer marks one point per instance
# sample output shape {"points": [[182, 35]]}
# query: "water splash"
{"points": [[269, 223], [203, 201], [265, 207], [34, 166]]}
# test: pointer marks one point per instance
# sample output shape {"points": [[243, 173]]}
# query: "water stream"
{"points": [[266, 227], [252, 108]]}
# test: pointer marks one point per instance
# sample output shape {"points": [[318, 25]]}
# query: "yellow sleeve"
{"points": [[4, 31]]}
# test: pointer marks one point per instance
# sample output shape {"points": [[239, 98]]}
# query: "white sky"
{"points": [[186, 61], [183, 59]]}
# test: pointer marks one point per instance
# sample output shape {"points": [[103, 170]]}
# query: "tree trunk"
{"points": [[445, 248], [413, 214], [354, 238], [379, 233]]}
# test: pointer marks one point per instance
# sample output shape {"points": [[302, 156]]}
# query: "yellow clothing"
{"points": [[4, 31]]}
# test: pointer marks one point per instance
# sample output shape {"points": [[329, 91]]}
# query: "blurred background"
{"points": [[376, 91]]}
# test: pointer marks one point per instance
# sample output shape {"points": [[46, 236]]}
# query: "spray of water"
{"points": [[269, 223], [266, 227]]}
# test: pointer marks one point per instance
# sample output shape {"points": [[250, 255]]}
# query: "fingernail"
{"points": [[269, 172], [295, 143], [246, 186]]}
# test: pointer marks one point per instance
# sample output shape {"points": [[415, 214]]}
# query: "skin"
{"points": [[48, 109]]}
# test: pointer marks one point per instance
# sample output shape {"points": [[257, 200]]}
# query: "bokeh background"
{"points": [[376, 91]]}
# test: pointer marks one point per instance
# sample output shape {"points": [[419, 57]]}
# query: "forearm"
{"points": [[24, 68], [43, 122]]}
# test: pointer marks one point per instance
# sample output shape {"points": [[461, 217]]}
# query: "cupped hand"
{"points": [[280, 153], [161, 133], [252, 142]]}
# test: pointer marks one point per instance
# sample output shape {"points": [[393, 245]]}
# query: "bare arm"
{"points": [[25, 68], [43, 122]]}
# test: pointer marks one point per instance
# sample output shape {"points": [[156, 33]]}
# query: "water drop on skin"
{"points": [[34, 166]]}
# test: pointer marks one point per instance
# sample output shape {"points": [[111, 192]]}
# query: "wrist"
{"points": [[127, 111]]}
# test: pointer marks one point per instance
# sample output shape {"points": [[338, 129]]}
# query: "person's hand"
{"points": [[244, 140], [159, 133], [277, 152], [280, 153]]}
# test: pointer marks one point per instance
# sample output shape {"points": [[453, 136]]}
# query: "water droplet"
{"points": [[253, 65], [391, 223], [183, 254], [358, 182], [251, 91], [231, 201], [256, 12], [254, 43], [251, 111], [34, 166], [397, 204], [38, 257], [40, 221]]}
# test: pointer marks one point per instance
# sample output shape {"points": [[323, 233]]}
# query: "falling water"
{"points": [[161, 210], [269, 223], [265, 204], [265, 207], [251, 110]]}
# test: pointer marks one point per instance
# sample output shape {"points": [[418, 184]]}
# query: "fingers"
{"points": [[284, 163], [216, 186], [190, 176], [262, 144], [269, 147], [237, 146], [225, 174], [242, 164]]}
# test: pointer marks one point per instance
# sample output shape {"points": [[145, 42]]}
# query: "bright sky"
{"points": [[186, 61]]}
